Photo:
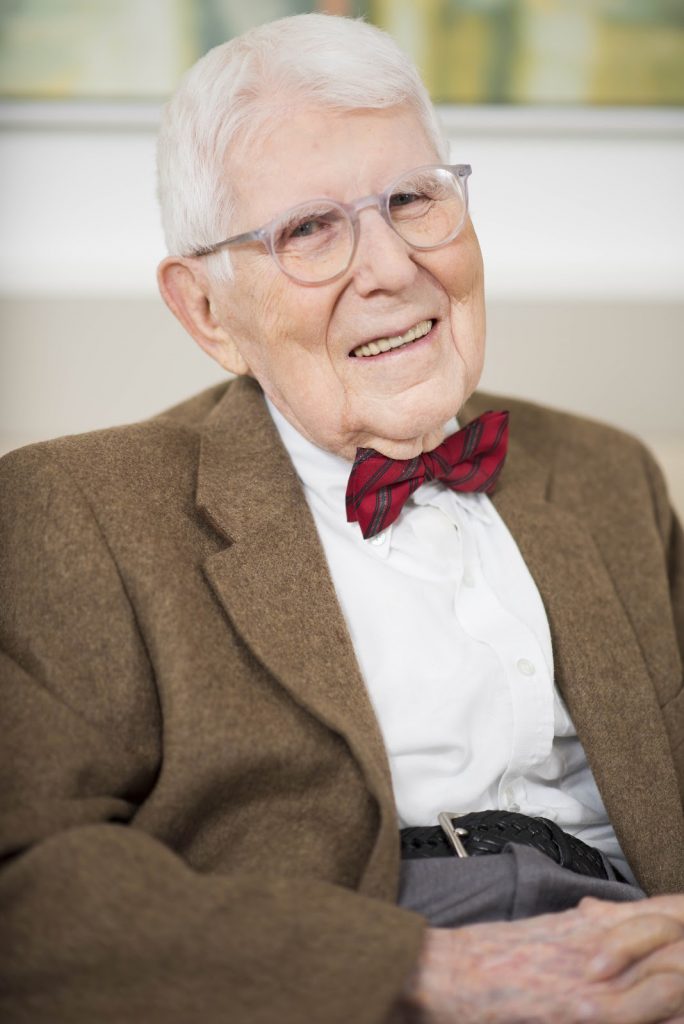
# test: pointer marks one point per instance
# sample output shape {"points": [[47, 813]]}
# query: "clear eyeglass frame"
{"points": [[380, 201]]}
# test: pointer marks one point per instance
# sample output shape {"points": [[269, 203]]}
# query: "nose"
{"points": [[383, 261]]}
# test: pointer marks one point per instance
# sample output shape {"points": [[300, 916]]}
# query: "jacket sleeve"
{"points": [[101, 920]]}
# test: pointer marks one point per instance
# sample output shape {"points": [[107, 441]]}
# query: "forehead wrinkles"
{"points": [[300, 152]]}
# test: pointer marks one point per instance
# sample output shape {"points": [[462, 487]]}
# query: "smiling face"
{"points": [[385, 355]]}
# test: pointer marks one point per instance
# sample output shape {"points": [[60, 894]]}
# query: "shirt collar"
{"points": [[322, 473], [324, 477]]}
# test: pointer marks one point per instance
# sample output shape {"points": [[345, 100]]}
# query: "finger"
{"points": [[632, 941], [653, 1001], [667, 960], [672, 905]]}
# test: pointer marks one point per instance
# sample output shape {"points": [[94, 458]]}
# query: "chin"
{"points": [[406, 439], [420, 418]]}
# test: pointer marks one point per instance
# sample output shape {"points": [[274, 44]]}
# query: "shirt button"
{"points": [[525, 667], [468, 578], [379, 538]]}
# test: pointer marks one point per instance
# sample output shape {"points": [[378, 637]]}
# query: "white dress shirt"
{"points": [[453, 643]]}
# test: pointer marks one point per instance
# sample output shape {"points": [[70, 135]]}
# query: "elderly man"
{"points": [[248, 702]]}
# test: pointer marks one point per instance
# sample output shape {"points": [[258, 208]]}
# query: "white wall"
{"points": [[566, 202], [580, 216]]}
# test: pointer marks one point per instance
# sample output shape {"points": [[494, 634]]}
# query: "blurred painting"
{"points": [[606, 52], [543, 51]]}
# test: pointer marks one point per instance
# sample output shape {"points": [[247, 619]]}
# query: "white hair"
{"points": [[234, 92]]}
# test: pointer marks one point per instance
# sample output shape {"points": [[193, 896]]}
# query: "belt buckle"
{"points": [[453, 834]]}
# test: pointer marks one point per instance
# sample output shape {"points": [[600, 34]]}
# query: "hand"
{"points": [[600, 963]]}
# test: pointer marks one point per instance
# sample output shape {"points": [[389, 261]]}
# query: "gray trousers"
{"points": [[519, 882]]}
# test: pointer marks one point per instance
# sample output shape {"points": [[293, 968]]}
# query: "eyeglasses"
{"points": [[315, 242]]}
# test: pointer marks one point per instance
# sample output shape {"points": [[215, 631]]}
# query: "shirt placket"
{"points": [[520, 655]]}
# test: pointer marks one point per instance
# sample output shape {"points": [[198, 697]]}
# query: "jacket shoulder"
{"points": [[590, 463], [132, 451], [542, 428]]}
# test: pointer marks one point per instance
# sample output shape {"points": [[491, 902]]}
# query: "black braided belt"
{"points": [[481, 832]]}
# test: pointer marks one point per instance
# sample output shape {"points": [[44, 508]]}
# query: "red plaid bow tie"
{"points": [[469, 460]]}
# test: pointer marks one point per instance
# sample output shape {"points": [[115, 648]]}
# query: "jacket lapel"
{"points": [[599, 669], [273, 582]]}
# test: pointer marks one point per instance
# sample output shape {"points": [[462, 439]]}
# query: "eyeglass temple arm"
{"points": [[247, 236]]}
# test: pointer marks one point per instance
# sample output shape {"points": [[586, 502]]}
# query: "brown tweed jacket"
{"points": [[197, 815]]}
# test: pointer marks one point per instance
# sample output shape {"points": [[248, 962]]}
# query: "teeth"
{"points": [[374, 348]]}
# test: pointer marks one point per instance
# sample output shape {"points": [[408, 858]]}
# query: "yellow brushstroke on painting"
{"points": [[641, 62], [116, 49]]}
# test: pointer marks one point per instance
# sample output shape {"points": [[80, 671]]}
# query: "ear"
{"points": [[185, 288]]}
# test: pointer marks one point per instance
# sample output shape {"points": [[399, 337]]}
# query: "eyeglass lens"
{"points": [[314, 242]]}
